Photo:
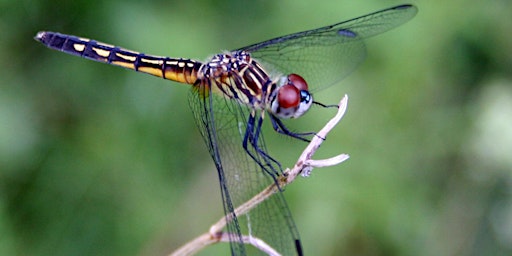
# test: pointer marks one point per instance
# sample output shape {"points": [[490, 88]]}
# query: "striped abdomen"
{"points": [[179, 70]]}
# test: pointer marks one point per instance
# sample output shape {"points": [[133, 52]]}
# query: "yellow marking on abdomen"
{"points": [[126, 57], [124, 64], [101, 52], [175, 76], [151, 71], [79, 47]]}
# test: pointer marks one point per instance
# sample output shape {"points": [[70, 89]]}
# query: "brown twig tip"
{"points": [[303, 166]]}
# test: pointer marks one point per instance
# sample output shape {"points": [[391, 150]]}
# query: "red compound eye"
{"points": [[298, 82], [288, 96]]}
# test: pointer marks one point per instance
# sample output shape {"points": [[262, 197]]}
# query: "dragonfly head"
{"points": [[292, 98]]}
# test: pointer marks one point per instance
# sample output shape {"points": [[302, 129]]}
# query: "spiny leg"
{"points": [[250, 143], [279, 127]]}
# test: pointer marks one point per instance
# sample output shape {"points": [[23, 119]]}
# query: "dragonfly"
{"points": [[231, 95]]}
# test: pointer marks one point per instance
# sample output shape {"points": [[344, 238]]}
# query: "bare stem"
{"points": [[304, 166]]}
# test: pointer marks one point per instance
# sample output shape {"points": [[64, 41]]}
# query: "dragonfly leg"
{"points": [[252, 144], [279, 127]]}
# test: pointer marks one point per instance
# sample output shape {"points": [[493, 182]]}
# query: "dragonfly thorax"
{"points": [[239, 77], [292, 98]]}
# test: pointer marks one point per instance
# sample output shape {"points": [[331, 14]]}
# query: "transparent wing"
{"points": [[214, 137], [325, 55], [223, 123]]}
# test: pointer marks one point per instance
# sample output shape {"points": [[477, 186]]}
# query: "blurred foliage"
{"points": [[97, 160]]}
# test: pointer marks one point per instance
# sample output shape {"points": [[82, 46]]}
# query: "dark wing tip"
{"points": [[403, 6], [298, 247], [406, 6], [347, 33]]}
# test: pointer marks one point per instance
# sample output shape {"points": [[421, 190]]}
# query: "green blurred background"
{"points": [[97, 160]]}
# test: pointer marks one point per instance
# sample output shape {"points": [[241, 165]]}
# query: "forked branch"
{"points": [[304, 166]]}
